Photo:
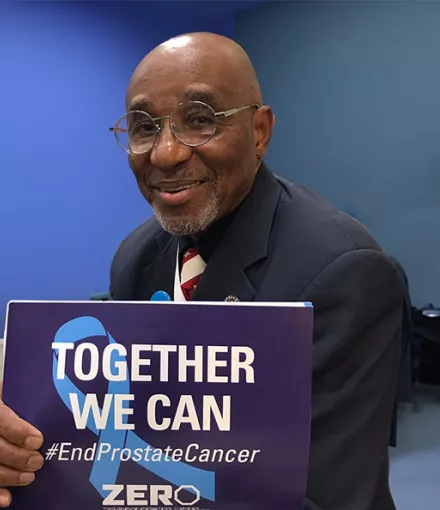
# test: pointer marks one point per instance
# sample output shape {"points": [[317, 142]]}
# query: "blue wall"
{"points": [[67, 195], [356, 90], [355, 87]]}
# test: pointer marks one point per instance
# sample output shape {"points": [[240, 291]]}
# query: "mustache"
{"points": [[184, 174]]}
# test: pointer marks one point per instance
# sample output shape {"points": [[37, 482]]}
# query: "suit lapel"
{"points": [[224, 276], [244, 244], [159, 275]]}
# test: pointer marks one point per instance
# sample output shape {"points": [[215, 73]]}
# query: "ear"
{"points": [[264, 122]]}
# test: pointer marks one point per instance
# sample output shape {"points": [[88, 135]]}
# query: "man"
{"points": [[225, 227]]}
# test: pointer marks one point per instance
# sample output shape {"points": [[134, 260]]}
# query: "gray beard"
{"points": [[191, 225]]}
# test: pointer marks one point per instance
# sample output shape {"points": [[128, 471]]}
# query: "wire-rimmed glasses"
{"points": [[193, 123]]}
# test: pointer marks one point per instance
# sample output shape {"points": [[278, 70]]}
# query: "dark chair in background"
{"points": [[101, 296], [426, 341], [420, 356], [406, 369]]}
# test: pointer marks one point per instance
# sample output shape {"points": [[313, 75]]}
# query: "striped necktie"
{"points": [[192, 268]]}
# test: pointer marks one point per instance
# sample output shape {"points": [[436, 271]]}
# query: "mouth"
{"points": [[176, 187], [176, 193]]}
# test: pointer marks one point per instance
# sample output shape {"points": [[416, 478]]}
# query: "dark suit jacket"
{"points": [[287, 244]]}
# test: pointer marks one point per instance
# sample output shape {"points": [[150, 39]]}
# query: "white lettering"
{"points": [[214, 363], [104, 448], [137, 362], [194, 446], [62, 354], [111, 498], [100, 417], [79, 361], [90, 404], [78, 452], [121, 412], [243, 456], [197, 363], [177, 455], [189, 488], [136, 494], [89, 453], [164, 351], [186, 413], [230, 456], [138, 454], [246, 364], [125, 454], [161, 494], [151, 412], [121, 365], [210, 407], [64, 450]]}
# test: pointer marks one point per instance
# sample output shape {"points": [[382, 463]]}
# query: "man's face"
{"points": [[189, 188]]}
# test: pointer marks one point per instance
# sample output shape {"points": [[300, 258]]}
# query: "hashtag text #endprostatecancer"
{"points": [[65, 452]]}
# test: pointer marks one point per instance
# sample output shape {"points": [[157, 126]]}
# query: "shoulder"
{"points": [[309, 234], [318, 223]]}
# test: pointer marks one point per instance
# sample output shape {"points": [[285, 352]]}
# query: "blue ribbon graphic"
{"points": [[104, 470]]}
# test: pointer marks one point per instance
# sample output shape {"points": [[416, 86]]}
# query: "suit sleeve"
{"points": [[358, 303]]}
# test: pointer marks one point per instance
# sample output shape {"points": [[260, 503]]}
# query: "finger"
{"points": [[13, 478], [19, 458], [5, 498], [17, 431]]}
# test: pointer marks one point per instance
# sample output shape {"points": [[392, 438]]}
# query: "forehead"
{"points": [[163, 82]]}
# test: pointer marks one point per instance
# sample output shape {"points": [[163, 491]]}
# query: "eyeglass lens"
{"points": [[193, 123]]}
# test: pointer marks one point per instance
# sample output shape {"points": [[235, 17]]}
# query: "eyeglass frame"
{"points": [[218, 115]]}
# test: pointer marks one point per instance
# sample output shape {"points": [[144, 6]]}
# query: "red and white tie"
{"points": [[192, 268]]}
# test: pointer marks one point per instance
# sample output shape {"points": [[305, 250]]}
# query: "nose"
{"points": [[168, 152]]}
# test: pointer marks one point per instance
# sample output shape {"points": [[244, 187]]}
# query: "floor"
{"points": [[415, 462]]}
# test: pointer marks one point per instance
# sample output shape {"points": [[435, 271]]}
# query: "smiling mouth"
{"points": [[174, 188]]}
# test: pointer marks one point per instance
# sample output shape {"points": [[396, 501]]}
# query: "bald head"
{"points": [[208, 53]]}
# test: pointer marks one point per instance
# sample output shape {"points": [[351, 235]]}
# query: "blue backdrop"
{"points": [[356, 91], [67, 195], [354, 86]]}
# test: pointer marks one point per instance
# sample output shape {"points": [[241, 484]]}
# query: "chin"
{"points": [[187, 225], [180, 228]]}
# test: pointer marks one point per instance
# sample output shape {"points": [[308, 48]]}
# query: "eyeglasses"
{"points": [[193, 123]]}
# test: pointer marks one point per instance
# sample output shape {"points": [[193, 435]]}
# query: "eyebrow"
{"points": [[198, 95], [191, 95], [139, 105]]}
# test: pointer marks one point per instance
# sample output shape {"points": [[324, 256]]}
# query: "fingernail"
{"points": [[35, 462], [26, 478], [33, 442], [5, 501]]}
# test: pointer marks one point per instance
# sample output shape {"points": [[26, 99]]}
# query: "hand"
{"points": [[19, 458]]}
